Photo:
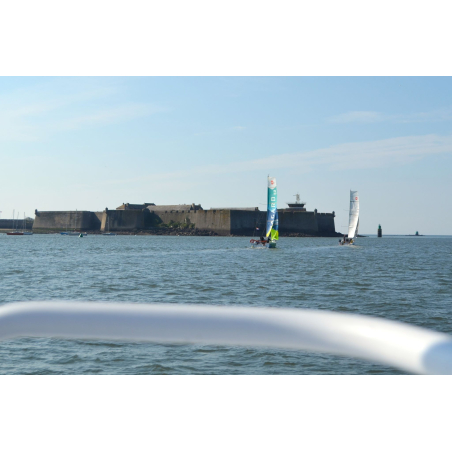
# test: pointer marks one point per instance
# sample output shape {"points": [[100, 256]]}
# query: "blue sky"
{"points": [[88, 143]]}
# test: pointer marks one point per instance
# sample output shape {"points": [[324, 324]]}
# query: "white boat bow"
{"points": [[406, 347]]}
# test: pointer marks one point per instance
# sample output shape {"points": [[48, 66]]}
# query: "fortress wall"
{"points": [[326, 223], [96, 221], [244, 222], [175, 216], [221, 221], [123, 220], [218, 221], [305, 222], [62, 220]]}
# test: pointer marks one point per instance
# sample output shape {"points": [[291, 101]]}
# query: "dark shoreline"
{"points": [[182, 232]]}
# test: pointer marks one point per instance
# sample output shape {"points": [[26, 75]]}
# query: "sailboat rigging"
{"points": [[16, 230]]}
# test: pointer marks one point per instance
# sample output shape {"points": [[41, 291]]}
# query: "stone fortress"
{"points": [[148, 217]]}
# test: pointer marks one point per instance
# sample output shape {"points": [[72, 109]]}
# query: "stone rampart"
{"points": [[122, 220], [96, 220], [298, 222], [66, 220], [62, 220], [325, 223], [213, 220], [245, 222], [221, 221]]}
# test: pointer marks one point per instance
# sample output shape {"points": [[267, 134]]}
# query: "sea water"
{"points": [[408, 279]]}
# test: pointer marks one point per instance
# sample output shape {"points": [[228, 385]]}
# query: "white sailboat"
{"points": [[353, 220]]}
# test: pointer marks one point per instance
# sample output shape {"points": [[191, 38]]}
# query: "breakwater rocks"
{"points": [[178, 231]]}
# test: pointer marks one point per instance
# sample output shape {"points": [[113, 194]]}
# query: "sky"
{"points": [[88, 143]]}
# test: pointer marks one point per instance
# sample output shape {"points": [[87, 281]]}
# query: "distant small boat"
{"points": [[353, 220], [73, 233], [19, 233]]}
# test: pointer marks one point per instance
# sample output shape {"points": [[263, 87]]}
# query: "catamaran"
{"points": [[353, 220], [272, 228]]}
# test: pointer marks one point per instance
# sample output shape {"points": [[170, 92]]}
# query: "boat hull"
{"points": [[19, 233], [73, 234], [265, 244]]}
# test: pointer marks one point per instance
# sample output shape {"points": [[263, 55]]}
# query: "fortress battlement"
{"points": [[222, 221]]}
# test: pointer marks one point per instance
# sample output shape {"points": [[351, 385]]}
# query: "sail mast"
{"points": [[271, 204]]}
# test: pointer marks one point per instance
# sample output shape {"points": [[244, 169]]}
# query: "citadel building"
{"points": [[294, 220]]}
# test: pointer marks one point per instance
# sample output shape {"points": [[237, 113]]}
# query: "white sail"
{"points": [[353, 218]]}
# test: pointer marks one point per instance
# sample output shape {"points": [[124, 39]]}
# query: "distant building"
{"points": [[134, 206], [175, 208]]}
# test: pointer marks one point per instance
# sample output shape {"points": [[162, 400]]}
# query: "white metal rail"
{"points": [[406, 347]]}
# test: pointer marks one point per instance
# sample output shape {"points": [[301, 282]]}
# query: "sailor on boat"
{"points": [[263, 241]]}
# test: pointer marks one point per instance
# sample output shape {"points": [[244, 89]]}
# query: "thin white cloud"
{"points": [[32, 116], [369, 117], [358, 116], [107, 116], [368, 154]]}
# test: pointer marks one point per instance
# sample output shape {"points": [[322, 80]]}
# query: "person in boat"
{"points": [[262, 239], [268, 239]]}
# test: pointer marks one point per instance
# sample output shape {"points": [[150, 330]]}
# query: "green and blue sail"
{"points": [[272, 212]]}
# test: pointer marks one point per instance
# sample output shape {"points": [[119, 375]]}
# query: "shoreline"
{"points": [[183, 232]]}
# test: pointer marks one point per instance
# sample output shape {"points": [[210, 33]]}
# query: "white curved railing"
{"points": [[406, 347]]}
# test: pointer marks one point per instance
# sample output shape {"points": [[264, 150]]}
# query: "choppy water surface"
{"points": [[401, 278]]}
